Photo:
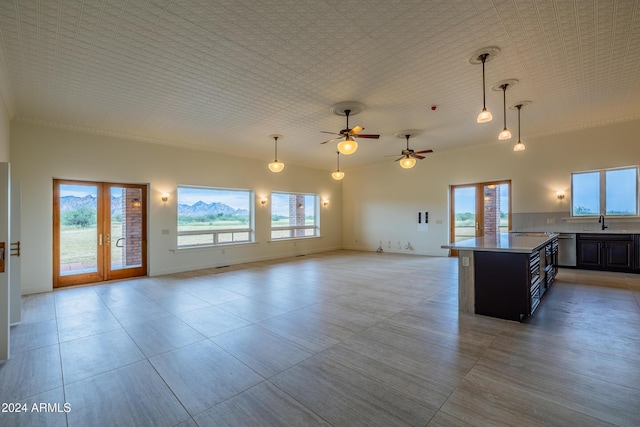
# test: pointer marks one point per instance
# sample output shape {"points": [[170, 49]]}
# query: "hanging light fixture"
{"points": [[337, 174], [484, 116], [482, 56], [505, 134], [519, 145], [276, 166], [502, 87]]}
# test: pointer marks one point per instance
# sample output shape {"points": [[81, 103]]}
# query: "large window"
{"points": [[294, 216], [214, 216], [605, 192]]}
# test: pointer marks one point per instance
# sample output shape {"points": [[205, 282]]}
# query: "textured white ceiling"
{"points": [[222, 75]]}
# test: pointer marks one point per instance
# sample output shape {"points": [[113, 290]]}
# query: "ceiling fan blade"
{"points": [[355, 130], [331, 140], [417, 156], [424, 151], [399, 158], [368, 136], [332, 133]]}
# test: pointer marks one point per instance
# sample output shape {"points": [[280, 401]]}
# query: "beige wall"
{"points": [[39, 154], [381, 201], [4, 132]]}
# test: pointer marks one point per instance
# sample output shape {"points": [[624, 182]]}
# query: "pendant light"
{"points": [[519, 145], [484, 116], [338, 174], [505, 134], [276, 166]]}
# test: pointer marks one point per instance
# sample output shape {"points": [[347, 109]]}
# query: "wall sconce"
{"points": [[165, 197], [300, 206], [136, 203], [263, 201], [560, 194], [325, 202]]}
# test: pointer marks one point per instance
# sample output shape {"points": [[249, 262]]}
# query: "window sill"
{"points": [[591, 219], [294, 239], [212, 247]]}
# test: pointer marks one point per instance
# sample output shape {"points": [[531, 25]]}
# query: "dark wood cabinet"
{"points": [[510, 285], [612, 252]]}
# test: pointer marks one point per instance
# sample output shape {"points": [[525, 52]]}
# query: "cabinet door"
{"points": [[589, 253], [618, 254]]}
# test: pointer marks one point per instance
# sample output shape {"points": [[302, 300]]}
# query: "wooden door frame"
{"points": [[479, 202], [103, 221]]}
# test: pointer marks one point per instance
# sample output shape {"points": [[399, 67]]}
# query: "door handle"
{"points": [[118, 245], [100, 239], [108, 239]]}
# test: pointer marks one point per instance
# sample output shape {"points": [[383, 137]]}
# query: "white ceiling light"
{"points": [[502, 86], [276, 166], [337, 174], [519, 145]]}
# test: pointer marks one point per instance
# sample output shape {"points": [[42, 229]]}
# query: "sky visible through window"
{"points": [[236, 199], [620, 192]]}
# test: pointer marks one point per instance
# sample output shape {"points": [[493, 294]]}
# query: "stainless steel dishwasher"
{"points": [[566, 250]]}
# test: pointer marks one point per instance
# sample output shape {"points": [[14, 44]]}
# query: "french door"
{"points": [[480, 209], [99, 231]]}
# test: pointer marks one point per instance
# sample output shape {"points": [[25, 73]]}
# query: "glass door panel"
{"points": [[126, 231], [464, 213], [495, 209], [78, 248]]}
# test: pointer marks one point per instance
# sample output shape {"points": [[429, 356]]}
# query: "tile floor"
{"points": [[339, 338]]}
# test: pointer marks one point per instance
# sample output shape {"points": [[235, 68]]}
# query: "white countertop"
{"points": [[504, 242]]}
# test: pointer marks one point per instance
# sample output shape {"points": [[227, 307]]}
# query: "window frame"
{"points": [[216, 233], [293, 228], [602, 193]]}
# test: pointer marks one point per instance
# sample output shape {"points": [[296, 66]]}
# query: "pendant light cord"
{"points": [[276, 149], [504, 102], [484, 58]]}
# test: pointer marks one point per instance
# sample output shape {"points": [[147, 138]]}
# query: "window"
{"points": [[605, 192], [213, 216], [294, 216]]}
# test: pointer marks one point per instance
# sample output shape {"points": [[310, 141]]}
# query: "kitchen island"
{"points": [[505, 275]]}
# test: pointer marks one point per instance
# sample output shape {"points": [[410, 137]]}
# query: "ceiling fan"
{"points": [[349, 144], [408, 156]]}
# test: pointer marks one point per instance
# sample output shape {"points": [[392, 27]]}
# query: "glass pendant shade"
{"points": [[337, 175], [519, 146], [504, 135], [484, 116], [407, 162], [348, 146], [276, 166]]}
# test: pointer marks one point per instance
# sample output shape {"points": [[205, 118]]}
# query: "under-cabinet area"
{"points": [[505, 275]]}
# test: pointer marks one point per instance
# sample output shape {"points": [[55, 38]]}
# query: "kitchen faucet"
{"points": [[601, 220]]}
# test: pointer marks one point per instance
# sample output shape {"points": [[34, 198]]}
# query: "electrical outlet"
{"points": [[465, 261], [551, 220]]}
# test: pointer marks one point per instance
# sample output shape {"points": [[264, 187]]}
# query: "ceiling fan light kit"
{"points": [[408, 156], [348, 145]]}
